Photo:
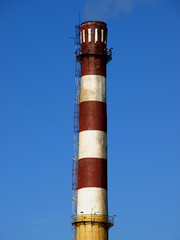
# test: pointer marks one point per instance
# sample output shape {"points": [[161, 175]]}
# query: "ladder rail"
{"points": [[76, 130]]}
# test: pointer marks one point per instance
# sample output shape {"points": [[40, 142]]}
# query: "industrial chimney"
{"points": [[92, 221]]}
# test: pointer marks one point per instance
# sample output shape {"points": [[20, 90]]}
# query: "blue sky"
{"points": [[37, 64]]}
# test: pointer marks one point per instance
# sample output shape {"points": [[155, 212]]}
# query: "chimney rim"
{"points": [[93, 22]]}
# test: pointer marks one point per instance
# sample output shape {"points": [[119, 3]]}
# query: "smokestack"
{"points": [[92, 221]]}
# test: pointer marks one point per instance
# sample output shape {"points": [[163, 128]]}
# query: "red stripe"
{"points": [[92, 116], [93, 65], [92, 172]]}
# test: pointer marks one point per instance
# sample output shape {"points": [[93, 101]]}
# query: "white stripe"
{"points": [[89, 34], [92, 200], [93, 88], [96, 35], [92, 144], [102, 35], [83, 35]]}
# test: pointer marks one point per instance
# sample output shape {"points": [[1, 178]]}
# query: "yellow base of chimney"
{"points": [[92, 227]]}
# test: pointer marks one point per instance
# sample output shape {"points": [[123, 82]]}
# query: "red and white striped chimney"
{"points": [[92, 164]]}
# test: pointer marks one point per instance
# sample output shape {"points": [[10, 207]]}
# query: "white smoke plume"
{"points": [[103, 9]]}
